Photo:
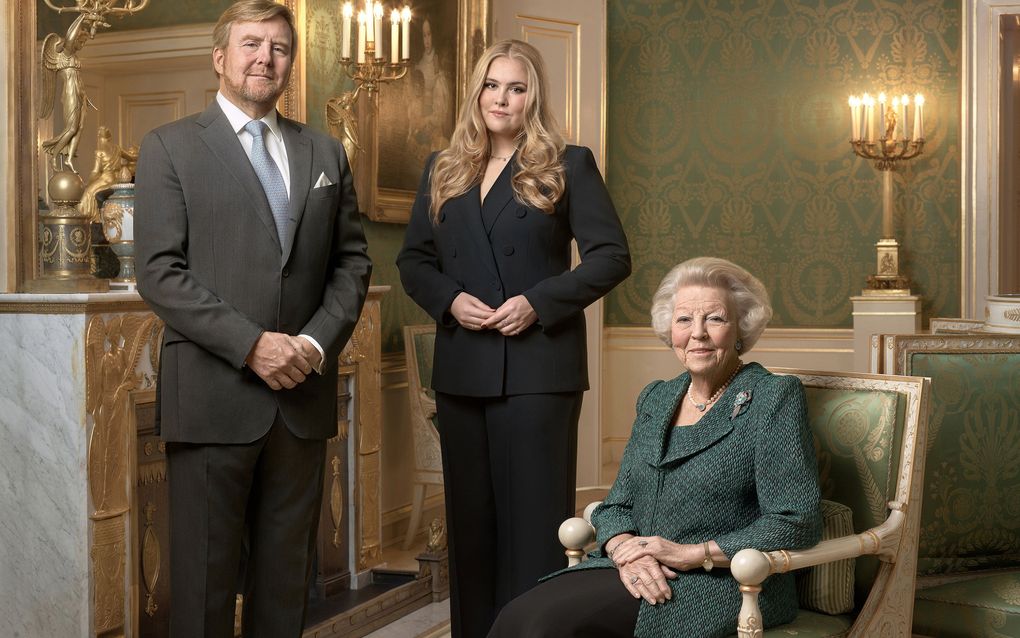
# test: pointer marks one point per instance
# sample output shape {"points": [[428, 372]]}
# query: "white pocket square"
{"points": [[322, 181]]}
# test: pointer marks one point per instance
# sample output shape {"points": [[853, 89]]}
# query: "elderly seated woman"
{"points": [[720, 458]]}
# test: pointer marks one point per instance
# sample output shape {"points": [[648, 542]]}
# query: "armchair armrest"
{"points": [[577, 533], [751, 567]]}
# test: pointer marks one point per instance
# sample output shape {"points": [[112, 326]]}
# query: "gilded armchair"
{"points": [[968, 566], [419, 347], [869, 436]]}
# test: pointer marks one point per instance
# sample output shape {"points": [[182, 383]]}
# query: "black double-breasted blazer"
{"points": [[211, 265], [504, 248]]}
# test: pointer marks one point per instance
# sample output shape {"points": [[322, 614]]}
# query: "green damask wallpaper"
{"points": [[728, 131]]}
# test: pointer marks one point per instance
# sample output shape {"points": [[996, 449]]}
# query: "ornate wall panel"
{"points": [[139, 113], [728, 136], [559, 43]]}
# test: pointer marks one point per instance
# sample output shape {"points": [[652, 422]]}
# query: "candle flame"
{"points": [[378, 10], [919, 99], [881, 98], [405, 14], [348, 10], [905, 100]]}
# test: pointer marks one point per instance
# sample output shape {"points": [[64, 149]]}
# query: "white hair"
{"points": [[746, 294]]}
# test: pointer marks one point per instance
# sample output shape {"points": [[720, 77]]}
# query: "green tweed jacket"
{"points": [[745, 476]]}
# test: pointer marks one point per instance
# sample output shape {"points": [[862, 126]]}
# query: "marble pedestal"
{"points": [[879, 314]]}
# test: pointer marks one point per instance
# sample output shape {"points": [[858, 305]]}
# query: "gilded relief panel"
{"points": [[728, 133]]}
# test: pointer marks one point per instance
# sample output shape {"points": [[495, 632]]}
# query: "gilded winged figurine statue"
{"points": [[60, 62], [343, 124]]}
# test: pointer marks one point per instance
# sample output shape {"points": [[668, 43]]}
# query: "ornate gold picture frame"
{"points": [[415, 115]]}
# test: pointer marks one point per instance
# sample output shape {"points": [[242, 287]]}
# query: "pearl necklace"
{"points": [[702, 406]]}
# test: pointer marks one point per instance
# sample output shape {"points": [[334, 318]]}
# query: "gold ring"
{"points": [[634, 580]]}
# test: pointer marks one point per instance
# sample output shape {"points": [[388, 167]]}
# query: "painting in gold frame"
{"points": [[415, 115]]}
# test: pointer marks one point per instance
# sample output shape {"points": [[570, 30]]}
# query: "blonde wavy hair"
{"points": [[540, 180]]}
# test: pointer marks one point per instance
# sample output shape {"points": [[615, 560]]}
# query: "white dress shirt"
{"points": [[278, 151]]}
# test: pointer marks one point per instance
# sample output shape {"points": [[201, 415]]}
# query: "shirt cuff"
{"points": [[322, 355]]}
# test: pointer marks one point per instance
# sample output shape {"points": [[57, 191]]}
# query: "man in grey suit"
{"points": [[250, 248]]}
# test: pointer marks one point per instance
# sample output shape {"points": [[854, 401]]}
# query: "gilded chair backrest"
{"points": [[970, 517], [419, 350], [866, 431]]}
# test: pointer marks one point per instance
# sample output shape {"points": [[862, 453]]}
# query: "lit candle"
{"points": [[405, 31], [904, 131], [394, 36], [378, 30], [881, 115], [855, 123], [345, 48], [369, 21], [918, 117], [869, 113], [361, 37]]}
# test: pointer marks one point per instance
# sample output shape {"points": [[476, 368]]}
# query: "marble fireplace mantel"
{"points": [[72, 367]]}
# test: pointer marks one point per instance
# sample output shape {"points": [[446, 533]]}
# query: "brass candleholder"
{"points": [[887, 152]]}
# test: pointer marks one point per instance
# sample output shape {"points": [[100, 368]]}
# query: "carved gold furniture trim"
{"points": [[889, 606]]}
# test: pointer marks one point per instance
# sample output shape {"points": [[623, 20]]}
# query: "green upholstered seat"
{"points": [[810, 624], [970, 515], [985, 606], [858, 446]]}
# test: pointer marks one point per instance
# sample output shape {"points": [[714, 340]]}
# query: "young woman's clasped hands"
{"points": [[645, 563]]}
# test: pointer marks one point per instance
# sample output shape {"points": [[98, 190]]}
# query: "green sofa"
{"points": [[969, 546]]}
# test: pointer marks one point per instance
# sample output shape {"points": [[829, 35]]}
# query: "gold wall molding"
{"points": [[114, 367]]}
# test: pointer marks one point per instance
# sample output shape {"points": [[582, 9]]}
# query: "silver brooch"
{"points": [[740, 403]]}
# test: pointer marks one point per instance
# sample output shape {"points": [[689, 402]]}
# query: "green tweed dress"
{"points": [[748, 480]]}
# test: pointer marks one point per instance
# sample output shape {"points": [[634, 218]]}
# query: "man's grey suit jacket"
{"points": [[210, 264]]}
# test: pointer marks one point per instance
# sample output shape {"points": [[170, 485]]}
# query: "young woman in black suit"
{"points": [[488, 255]]}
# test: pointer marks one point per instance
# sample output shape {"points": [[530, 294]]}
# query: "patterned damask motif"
{"points": [[727, 135], [971, 513]]}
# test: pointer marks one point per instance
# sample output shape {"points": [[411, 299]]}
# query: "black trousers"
{"points": [[267, 493], [509, 466], [588, 603]]}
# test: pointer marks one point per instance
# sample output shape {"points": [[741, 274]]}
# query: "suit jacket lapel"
{"points": [[299, 157], [468, 209], [222, 141], [500, 194], [717, 423]]}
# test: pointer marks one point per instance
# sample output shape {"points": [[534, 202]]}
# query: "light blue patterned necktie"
{"points": [[270, 176]]}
